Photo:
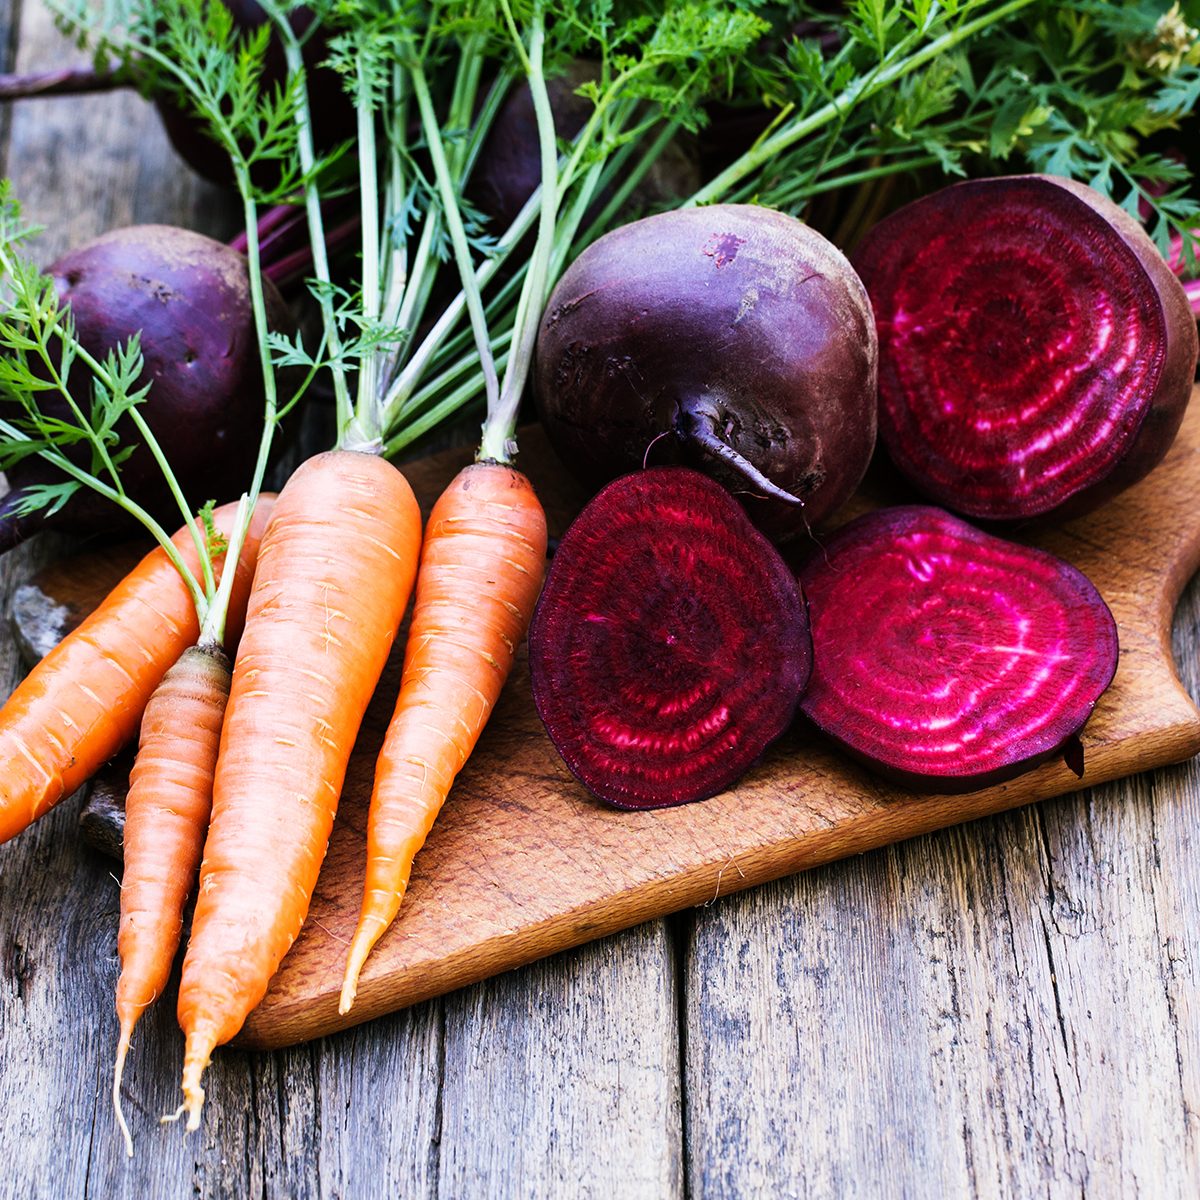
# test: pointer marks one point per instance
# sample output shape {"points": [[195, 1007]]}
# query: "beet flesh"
{"points": [[188, 296], [670, 645], [946, 658], [731, 323], [1036, 353]]}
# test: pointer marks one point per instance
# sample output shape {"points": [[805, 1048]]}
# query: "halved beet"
{"points": [[670, 644], [949, 659], [732, 338], [1036, 353]]}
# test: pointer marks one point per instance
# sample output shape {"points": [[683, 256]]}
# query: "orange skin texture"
{"points": [[84, 700], [335, 571], [481, 571], [166, 818]]}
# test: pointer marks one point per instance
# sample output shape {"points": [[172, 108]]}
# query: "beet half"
{"points": [[670, 645], [188, 296], [949, 659], [733, 338], [1036, 353]]}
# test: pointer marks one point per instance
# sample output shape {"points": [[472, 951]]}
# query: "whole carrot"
{"points": [[166, 816], [335, 571], [83, 701], [481, 570]]}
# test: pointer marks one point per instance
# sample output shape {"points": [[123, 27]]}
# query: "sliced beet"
{"points": [[732, 338], [670, 644], [1036, 353], [947, 658]]}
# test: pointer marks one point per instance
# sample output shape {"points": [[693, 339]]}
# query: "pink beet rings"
{"points": [[1036, 353], [670, 644], [949, 659]]}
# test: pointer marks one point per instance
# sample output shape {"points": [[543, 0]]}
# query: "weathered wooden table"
{"points": [[1005, 1009]]}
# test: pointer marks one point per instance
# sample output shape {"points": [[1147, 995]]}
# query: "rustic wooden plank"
{"points": [[580, 1097], [1005, 1009]]}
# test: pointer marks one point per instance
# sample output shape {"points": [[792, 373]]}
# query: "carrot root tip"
{"points": [[118, 1071]]}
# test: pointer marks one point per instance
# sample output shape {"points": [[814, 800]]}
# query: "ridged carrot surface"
{"points": [[335, 571], [481, 570], [166, 818], [83, 701]]}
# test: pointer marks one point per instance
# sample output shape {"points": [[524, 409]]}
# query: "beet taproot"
{"points": [[188, 298], [1036, 353], [949, 659], [732, 338], [670, 644]]}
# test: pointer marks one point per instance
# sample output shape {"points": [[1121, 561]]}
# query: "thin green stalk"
{"points": [[294, 58], [458, 234], [787, 136], [497, 444], [213, 627], [119, 498], [368, 414]]}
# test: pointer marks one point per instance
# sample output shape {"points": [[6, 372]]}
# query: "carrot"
{"points": [[335, 571], [83, 701], [481, 570], [166, 817]]}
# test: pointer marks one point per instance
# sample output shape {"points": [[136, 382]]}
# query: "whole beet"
{"points": [[724, 337], [189, 298]]}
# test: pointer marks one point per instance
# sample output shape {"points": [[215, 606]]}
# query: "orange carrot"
{"points": [[83, 701], [481, 570], [166, 817], [335, 571]]}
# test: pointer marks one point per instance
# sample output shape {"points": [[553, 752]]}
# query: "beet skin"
{"points": [[733, 330]]}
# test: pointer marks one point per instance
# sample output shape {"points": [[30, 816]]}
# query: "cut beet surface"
{"points": [[670, 644], [1036, 353], [949, 659]]}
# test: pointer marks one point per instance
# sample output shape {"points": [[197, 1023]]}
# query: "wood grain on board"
{"points": [[524, 862]]}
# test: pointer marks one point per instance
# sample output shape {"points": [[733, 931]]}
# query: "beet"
{"points": [[670, 644], [188, 296], [738, 331], [1036, 353], [949, 659]]}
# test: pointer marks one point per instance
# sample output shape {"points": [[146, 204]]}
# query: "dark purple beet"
{"points": [[188, 295], [1036, 353], [739, 332], [670, 644], [949, 659]]}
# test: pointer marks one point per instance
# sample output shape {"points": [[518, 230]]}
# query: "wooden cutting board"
{"points": [[523, 862]]}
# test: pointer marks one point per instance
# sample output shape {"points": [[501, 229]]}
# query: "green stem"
{"points": [[499, 427], [368, 414], [135, 510], [316, 227], [213, 627], [458, 234]]}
